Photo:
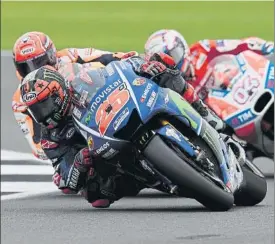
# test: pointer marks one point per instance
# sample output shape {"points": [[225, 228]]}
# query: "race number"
{"points": [[110, 107], [247, 90]]}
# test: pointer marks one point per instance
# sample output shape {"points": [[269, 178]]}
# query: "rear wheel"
{"points": [[186, 177], [254, 187]]}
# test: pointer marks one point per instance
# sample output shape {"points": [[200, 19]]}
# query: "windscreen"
{"points": [[86, 84]]}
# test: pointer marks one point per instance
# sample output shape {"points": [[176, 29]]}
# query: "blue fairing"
{"points": [[269, 82], [144, 95]]}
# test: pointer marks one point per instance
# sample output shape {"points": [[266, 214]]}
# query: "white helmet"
{"points": [[169, 42]]}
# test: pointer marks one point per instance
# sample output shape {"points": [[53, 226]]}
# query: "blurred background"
{"points": [[125, 26]]}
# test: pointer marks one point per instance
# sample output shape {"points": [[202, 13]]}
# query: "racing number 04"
{"points": [[110, 107], [247, 90]]}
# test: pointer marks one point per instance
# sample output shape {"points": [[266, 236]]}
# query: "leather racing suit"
{"points": [[204, 51]]}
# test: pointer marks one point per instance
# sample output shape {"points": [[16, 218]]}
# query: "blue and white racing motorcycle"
{"points": [[153, 135]]}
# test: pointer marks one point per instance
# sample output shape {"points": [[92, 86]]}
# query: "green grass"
{"points": [[126, 25]]}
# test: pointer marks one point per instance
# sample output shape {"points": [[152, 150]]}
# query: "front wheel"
{"points": [[254, 187], [186, 177]]}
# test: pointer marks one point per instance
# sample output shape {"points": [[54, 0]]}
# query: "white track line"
{"points": [[25, 189], [21, 186], [26, 170], [7, 155], [27, 194]]}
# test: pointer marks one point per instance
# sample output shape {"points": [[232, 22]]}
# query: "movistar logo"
{"points": [[103, 93]]}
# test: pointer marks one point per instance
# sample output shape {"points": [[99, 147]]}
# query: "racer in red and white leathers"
{"points": [[193, 61]]}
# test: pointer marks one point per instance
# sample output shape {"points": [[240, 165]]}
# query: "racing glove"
{"points": [[152, 69], [187, 70], [83, 160], [78, 172], [163, 58]]}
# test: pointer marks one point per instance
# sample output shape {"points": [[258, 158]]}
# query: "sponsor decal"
{"points": [[235, 122], [90, 142], [28, 50], [88, 118], [254, 44], [122, 65], [83, 97], [23, 126], [110, 70], [151, 99], [73, 176], [30, 76], [220, 43], [242, 118], [110, 153], [166, 99], [218, 93], [103, 148], [241, 62], [77, 113], [53, 134], [58, 101], [270, 84], [205, 44], [145, 93], [29, 97], [65, 102], [172, 132], [70, 133], [139, 81], [225, 46], [25, 39], [271, 74], [245, 116], [201, 60], [120, 118], [45, 144], [101, 95]]}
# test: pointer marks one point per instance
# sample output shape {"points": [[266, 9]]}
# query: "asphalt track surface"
{"points": [[149, 218]]}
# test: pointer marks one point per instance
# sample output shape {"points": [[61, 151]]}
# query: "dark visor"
{"points": [[42, 110], [30, 65]]}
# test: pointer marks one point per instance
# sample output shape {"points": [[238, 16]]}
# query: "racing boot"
{"points": [[102, 192], [99, 203], [98, 191], [191, 96]]}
